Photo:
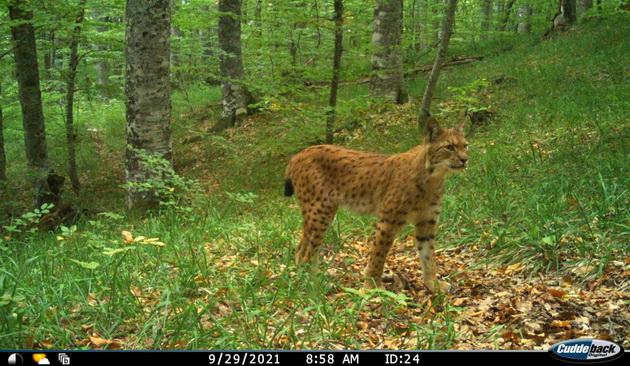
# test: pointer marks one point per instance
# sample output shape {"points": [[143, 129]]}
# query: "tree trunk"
{"points": [[447, 31], [506, 14], [71, 133], [148, 101], [334, 84], [236, 97], [565, 17], [524, 13], [387, 79], [102, 66], [3, 156], [584, 5], [27, 72], [486, 10], [569, 10]]}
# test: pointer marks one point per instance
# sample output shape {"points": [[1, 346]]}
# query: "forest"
{"points": [[143, 147]]}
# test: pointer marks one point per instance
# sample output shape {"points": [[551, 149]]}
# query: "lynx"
{"points": [[398, 189]]}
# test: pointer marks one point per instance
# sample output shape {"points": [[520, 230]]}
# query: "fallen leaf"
{"points": [[561, 324], [127, 237], [98, 341], [557, 293]]}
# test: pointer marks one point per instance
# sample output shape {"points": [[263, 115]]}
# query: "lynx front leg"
{"points": [[386, 232], [425, 236]]}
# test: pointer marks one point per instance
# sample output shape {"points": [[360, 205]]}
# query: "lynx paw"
{"points": [[371, 284], [442, 287]]}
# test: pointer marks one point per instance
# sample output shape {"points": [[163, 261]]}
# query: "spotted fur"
{"points": [[398, 189]]}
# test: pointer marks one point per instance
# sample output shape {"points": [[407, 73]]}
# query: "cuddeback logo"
{"points": [[586, 350]]}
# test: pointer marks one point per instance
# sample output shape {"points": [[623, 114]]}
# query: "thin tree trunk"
{"points": [[3, 156], [27, 71], [102, 66], [524, 13], [486, 9], [584, 5], [334, 84], [387, 58], [447, 31], [236, 97], [506, 14], [71, 133], [148, 102]]}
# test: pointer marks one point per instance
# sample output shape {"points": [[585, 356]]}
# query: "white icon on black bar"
{"points": [[64, 359], [15, 359]]}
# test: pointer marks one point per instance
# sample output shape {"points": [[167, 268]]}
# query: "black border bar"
{"points": [[283, 358]]}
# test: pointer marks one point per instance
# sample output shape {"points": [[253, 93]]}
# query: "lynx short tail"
{"points": [[288, 188]]}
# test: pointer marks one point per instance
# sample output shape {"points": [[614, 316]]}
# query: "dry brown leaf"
{"points": [[557, 293], [96, 340], [115, 345], [127, 237], [92, 300], [561, 324], [460, 301]]}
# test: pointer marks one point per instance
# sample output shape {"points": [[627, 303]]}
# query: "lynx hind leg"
{"points": [[317, 217]]}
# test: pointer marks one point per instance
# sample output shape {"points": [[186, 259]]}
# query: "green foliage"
{"points": [[173, 190], [466, 98], [27, 222], [546, 186]]}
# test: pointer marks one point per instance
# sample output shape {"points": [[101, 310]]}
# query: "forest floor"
{"points": [[494, 307]]}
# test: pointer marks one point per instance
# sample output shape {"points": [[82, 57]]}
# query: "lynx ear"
{"points": [[432, 130], [460, 127]]}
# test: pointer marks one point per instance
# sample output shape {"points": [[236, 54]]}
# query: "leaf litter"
{"points": [[500, 307], [489, 307]]}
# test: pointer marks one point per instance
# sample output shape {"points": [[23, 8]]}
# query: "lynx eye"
{"points": [[450, 147], [465, 146]]}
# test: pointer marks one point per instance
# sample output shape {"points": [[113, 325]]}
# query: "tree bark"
{"points": [[3, 156], [236, 97], [27, 72], [524, 13], [334, 84], [148, 103], [103, 67], [387, 79], [569, 10], [506, 14], [584, 5], [565, 17], [486, 14], [71, 133], [447, 31]]}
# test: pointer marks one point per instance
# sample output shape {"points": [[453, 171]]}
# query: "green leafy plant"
{"points": [[173, 190], [467, 98]]}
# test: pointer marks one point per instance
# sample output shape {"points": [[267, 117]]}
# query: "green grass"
{"points": [[547, 185]]}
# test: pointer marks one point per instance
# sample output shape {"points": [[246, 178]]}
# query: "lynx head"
{"points": [[446, 148]]}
